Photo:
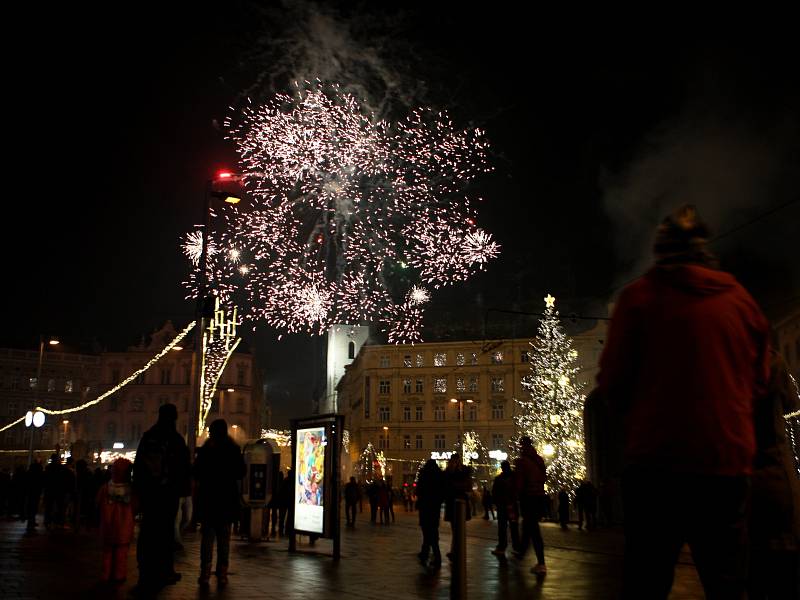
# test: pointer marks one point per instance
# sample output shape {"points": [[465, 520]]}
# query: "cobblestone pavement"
{"points": [[377, 562]]}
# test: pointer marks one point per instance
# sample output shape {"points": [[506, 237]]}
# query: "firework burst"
{"points": [[350, 214]]}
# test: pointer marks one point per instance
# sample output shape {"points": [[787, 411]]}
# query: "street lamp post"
{"points": [[202, 297], [33, 427], [385, 437], [460, 402]]}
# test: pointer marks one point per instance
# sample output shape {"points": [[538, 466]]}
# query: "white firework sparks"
{"points": [[343, 202], [193, 247], [418, 295]]}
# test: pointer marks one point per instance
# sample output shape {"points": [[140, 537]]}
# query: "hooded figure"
{"points": [[686, 354]]}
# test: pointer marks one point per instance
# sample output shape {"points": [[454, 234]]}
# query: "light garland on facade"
{"points": [[117, 387]]}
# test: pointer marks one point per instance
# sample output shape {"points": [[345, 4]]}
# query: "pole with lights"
{"points": [[218, 187], [35, 419], [460, 402]]}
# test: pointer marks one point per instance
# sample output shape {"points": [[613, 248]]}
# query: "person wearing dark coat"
{"points": [[488, 504], [372, 495], [430, 495], [218, 469], [586, 499], [352, 494], [563, 509], [504, 493], [161, 472], [458, 486], [775, 503], [686, 355]]}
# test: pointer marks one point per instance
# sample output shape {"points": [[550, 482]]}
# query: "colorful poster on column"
{"points": [[309, 483]]}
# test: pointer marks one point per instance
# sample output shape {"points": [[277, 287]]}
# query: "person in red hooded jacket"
{"points": [[685, 357], [117, 510]]}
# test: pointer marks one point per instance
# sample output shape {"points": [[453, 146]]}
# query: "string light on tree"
{"points": [[351, 214], [552, 415]]}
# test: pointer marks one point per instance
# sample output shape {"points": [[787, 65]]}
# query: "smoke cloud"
{"points": [[732, 169]]}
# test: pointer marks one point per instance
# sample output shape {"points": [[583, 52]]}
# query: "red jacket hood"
{"points": [[694, 279]]}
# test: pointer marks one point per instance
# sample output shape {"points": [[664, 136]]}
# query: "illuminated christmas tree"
{"points": [[553, 415]]}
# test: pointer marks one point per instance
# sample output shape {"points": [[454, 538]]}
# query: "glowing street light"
{"points": [[460, 402]]}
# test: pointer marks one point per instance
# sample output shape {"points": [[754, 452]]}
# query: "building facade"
{"points": [[120, 419], [399, 397], [68, 380]]}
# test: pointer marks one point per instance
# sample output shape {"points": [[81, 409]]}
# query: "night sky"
{"points": [[597, 132]]}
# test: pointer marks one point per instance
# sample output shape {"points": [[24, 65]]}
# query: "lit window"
{"points": [[406, 442], [460, 359], [438, 413], [497, 357], [473, 358], [420, 360], [406, 413], [384, 362], [473, 384], [384, 386], [497, 441], [383, 443], [498, 410], [384, 413], [497, 384], [407, 361], [440, 385], [418, 413], [438, 441], [68, 386], [440, 359], [406, 386], [418, 442], [460, 387], [419, 386]]}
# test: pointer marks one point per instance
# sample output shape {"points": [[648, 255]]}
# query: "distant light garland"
{"points": [[175, 341], [349, 213]]}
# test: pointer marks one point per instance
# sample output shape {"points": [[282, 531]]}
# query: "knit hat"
{"points": [[682, 237]]}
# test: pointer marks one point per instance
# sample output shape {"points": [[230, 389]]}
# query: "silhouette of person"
{"points": [[529, 474], [563, 509], [430, 495], [458, 486], [218, 469], [351, 498], [504, 492], [686, 354], [117, 510], [161, 471]]}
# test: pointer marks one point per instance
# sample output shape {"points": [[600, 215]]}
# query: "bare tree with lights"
{"points": [[553, 416]]}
